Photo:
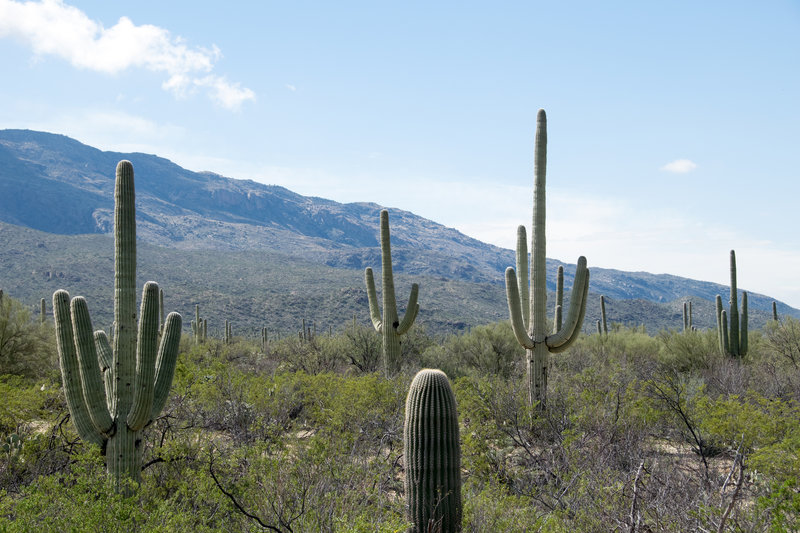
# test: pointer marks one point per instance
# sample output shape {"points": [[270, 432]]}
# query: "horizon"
{"points": [[431, 109]]}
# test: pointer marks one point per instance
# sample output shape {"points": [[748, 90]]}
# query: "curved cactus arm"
{"points": [[743, 326], [523, 266], [374, 311], [411, 310], [165, 363], [70, 373], [105, 357], [577, 308], [557, 321], [515, 310], [146, 354], [582, 315], [91, 380]]}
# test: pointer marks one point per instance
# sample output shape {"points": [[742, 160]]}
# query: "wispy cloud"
{"points": [[51, 27], [680, 166], [291, 87]]}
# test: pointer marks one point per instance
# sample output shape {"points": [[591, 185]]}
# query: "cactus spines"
{"points": [[534, 336], [733, 324], [432, 454], [113, 391], [388, 325]]}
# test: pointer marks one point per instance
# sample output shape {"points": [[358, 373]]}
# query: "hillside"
{"points": [[263, 255]]}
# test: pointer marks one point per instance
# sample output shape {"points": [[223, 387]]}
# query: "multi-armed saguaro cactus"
{"points": [[528, 313], [432, 454], [114, 392], [732, 326], [389, 326]]}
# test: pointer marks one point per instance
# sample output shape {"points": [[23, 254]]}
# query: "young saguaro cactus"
{"points": [[733, 324], [389, 326], [528, 315], [113, 392], [432, 454]]}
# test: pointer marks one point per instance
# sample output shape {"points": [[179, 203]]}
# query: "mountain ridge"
{"points": [[52, 183]]}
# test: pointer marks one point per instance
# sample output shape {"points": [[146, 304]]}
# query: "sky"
{"points": [[673, 126]]}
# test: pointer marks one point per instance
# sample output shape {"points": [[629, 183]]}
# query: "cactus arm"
{"points": [[374, 312], [577, 308], [557, 321], [718, 310], [70, 373], [105, 357], [515, 310], [523, 281], [146, 353], [411, 310], [723, 317], [91, 380], [581, 316], [165, 363], [743, 326]]}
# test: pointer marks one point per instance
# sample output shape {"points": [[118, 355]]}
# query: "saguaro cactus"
{"points": [[558, 315], [389, 326], [687, 317], [432, 454], [732, 326], [533, 335], [42, 310], [603, 315], [114, 392]]}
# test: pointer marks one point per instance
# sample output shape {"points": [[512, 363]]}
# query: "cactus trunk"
{"points": [[432, 455]]}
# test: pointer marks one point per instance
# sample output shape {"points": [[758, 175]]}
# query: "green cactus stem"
{"points": [[534, 336], [114, 391], [603, 314], [775, 311], [388, 325], [42, 310], [733, 324], [687, 317], [558, 318], [432, 455]]}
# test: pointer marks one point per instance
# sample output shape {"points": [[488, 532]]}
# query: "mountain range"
{"points": [[57, 194]]}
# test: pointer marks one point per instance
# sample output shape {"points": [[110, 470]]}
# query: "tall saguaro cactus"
{"points": [[533, 335], [432, 454], [732, 328], [113, 392], [388, 325]]}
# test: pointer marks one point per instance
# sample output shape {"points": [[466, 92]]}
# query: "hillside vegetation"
{"points": [[645, 433]]}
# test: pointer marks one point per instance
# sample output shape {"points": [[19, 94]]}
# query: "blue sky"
{"points": [[674, 127]]}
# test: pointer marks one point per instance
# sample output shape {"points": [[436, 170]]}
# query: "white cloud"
{"points": [[291, 87], [51, 27], [680, 166]]}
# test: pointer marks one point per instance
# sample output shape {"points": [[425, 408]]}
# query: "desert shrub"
{"points": [[484, 350], [27, 348]]}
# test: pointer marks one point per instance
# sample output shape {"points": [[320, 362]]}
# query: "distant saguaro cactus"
{"points": [[114, 392], [775, 311], [533, 334], [389, 326], [603, 315], [42, 310], [687, 317], [732, 326], [432, 454], [558, 315]]}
